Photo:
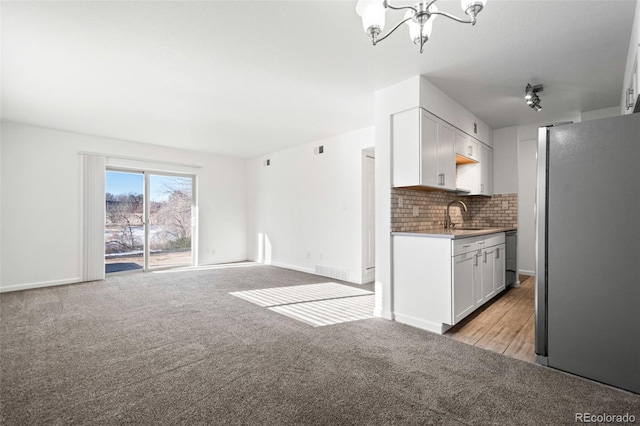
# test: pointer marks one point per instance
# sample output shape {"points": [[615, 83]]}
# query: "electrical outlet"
{"points": [[416, 211], [505, 205]]}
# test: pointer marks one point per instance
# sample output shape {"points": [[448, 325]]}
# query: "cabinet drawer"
{"points": [[464, 245], [494, 239]]}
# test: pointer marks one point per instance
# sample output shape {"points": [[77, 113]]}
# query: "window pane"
{"points": [[170, 204]]}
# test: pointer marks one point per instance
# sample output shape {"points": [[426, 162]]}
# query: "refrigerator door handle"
{"points": [[540, 212]]}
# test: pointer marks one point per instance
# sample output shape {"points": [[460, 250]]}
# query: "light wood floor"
{"points": [[505, 325]]}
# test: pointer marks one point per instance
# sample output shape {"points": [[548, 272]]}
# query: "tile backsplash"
{"points": [[419, 211]]}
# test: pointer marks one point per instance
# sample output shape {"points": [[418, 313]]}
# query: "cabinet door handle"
{"points": [[630, 98], [498, 253], [485, 257], [482, 187], [470, 149], [476, 262], [465, 246]]}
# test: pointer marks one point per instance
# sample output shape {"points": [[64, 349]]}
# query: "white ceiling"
{"points": [[246, 78]]}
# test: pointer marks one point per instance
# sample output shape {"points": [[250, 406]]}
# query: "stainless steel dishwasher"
{"points": [[511, 246]]}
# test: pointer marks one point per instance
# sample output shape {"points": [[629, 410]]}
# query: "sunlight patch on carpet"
{"points": [[299, 293], [314, 304], [329, 312]]}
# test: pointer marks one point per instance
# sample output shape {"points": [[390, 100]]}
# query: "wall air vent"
{"points": [[331, 272]]}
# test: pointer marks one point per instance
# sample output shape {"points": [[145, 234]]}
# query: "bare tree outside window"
{"points": [[169, 220], [171, 213]]}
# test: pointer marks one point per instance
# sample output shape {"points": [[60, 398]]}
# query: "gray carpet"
{"points": [[176, 348]]}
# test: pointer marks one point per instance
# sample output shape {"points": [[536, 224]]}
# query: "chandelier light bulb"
{"points": [[472, 8], [372, 13], [420, 32]]}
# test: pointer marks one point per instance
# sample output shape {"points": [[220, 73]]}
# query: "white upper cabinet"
{"points": [[436, 101], [423, 151], [477, 178], [466, 146], [486, 170]]}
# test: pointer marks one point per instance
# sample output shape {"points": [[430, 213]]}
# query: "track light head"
{"points": [[531, 96], [528, 92]]}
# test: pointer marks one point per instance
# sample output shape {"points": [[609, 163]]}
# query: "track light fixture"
{"points": [[419, 17], [531, 96]]}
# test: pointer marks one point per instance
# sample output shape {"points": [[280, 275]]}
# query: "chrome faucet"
{"points": [[448, 223]]}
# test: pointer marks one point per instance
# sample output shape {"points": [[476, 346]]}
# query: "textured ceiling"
{"points": [[245, 78]]}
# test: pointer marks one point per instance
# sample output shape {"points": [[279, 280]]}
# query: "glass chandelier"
{"points": [[419, 18]]}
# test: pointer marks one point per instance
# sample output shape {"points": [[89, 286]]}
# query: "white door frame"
{"points": [[368, 215]]}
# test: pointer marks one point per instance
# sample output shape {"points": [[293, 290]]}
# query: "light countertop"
{"points": [[453, 233]]}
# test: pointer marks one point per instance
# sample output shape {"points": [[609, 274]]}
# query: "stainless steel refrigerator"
{"points": [[588, 250]]}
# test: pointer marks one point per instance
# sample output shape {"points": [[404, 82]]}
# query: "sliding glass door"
{"points": [[124, 231], [170, 220], [149, 220]]}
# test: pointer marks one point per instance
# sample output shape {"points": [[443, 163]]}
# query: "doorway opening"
{"points": [[368, 215], [149, 220]]}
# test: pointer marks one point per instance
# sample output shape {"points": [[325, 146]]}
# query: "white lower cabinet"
{"points": [[464, 271], [439, 281], [499, 268], [480, 272]]}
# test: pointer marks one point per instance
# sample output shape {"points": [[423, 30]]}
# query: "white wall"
{"points": [[634, 44], [527, 161], [600, 113], [527, 174], [41, 202], [305, 210], [505, 160]]}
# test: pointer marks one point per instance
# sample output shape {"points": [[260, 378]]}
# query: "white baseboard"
{"points": [[295, 268], [525, 272], [381, 313], [434, 327], [304, 269], [18, 287]]}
